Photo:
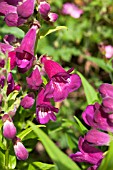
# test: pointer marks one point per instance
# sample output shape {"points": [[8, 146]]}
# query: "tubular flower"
{"points": [[7, 49], [61, 82], [11, 84], [16, 12], [106, 91], [97, 138], [25, 53], [95, 117], [34, 80], [87, 153], [44, 109]]}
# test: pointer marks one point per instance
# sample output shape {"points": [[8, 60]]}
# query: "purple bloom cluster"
{"points": [[20, 54], [100, 118], [16, 12]]}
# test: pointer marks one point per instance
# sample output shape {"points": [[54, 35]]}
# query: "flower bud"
{"points": [[44, 9], [52, 17], [28, 101], [19, 149], [9, 130]]}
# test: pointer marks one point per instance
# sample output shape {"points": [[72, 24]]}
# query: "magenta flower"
{"points": [[87, 153], [28, 101], [16, 12], [44, 10], [95, 117], [20, 150], [44, 109], [106, 91], [61, 82], [2, 81], [11, 84], [108, 51], [97, 138], [25, 53], [52, 17], [9, 130], [72, 10], [34, 81], [8, 49]]}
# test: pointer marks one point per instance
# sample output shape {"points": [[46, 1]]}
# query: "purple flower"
{"points": [[20, 150], [34, 81], [97, 138], [61, 82], [2, 81], [9, 130], [8, 49], [95, 117], [106, 91], [87, 153], [2, 63], [44, 109], [44, 10], [72, 10], [16, 12], [25, 53], [28, 101], [52, 17], [108, 51], [11, 84]]}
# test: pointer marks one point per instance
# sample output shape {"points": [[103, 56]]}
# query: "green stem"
{"points": [[7, 155]]}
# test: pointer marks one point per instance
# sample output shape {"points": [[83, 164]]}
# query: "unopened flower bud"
{"points": [[9, 130], [52, 17], [44, 9], [28, 101], [20, 150]]}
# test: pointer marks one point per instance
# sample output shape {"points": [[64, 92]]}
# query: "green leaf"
{"points": [[90, 93], [80, 126], [61, 160], [107, 162], [12, 95], [25, 132], [12, 162], [13, 30], [40, 166], [50, 30]]}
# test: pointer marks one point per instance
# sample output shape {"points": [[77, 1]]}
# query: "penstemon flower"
{"points": [[44, 109], [87, 153], [34, 81], [61, 82], [16, 12], [25, 53]]}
